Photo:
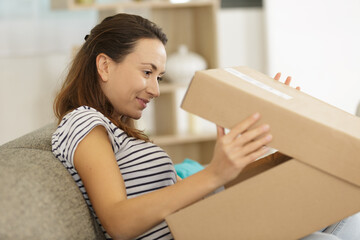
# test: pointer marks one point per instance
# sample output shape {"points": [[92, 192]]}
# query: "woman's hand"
{"points": [[287, 81], [241, 146]]}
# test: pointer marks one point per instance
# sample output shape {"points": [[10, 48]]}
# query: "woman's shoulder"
{"points": [[83, 112], [77, 124], [84, 116], [81, 121]]}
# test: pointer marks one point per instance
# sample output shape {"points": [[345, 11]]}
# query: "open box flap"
{"points": [[302, 126]]}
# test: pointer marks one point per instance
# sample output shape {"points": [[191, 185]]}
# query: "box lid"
{"points": [[302, 126]]}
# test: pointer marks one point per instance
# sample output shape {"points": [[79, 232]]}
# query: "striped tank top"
{"points": [[145, 167]]}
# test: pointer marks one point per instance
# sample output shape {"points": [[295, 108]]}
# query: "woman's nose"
{"points": [[153, 88]]}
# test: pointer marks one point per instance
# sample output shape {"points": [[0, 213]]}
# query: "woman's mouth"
{"points": [[143, 102]]}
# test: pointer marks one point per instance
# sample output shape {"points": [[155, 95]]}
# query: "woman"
{"points": [[112, 79]]}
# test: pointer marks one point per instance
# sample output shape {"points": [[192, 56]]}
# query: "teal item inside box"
{"points": [[187, 167]]}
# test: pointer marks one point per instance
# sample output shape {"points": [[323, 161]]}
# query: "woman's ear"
{"points": [[102, 65]]}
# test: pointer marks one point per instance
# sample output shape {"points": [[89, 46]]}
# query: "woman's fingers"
{"points": [[287, 81], [242, 126], [251, 135], [241, 146], [256, 145], [251, 151], [251, 142], [277, 76], [220, 131], [255, 155]]}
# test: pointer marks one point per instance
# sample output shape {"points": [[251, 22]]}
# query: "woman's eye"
{"points": [[147, 73], [159, 79]]}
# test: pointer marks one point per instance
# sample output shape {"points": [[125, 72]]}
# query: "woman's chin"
{"points": [[136, 116]]}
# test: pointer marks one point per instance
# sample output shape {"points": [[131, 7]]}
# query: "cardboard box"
{"points": [[272, 199]]}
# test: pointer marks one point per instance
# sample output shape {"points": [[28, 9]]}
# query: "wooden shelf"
{"points": [[155, 4], [192, 23], [171, 87], [198, 147], [167, 140]]}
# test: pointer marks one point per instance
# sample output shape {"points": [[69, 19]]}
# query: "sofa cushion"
{"points": [[38, 197], [38, 139]]}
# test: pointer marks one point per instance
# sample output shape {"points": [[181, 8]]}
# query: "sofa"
{"points": [[38, 197]]}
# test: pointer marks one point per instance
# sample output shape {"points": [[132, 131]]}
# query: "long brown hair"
{"points": [[115, 36]]}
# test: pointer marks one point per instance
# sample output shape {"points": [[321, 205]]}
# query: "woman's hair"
{"points": [[115, 36]]}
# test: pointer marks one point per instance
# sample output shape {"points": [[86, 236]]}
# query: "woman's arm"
{"points": [[127, 218]]}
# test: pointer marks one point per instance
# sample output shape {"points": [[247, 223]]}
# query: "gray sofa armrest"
{"points": [[38, 197]]}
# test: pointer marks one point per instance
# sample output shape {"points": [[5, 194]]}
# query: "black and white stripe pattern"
{"points": [[144, 166]]}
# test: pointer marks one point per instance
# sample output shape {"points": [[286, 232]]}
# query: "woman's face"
{"points": [[132, 83]]}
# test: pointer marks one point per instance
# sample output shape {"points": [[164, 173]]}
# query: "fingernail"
{"points": [[265, 148], [256, 115], [269, 137], [266, 127]]}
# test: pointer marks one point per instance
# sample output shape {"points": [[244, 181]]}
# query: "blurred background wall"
{"points": [[35, 48], [317, 42]]}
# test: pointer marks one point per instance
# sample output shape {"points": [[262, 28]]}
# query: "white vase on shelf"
{"points": [[182, 65]]}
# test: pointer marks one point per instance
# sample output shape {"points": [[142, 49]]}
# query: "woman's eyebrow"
{"points": [[153, 66]]}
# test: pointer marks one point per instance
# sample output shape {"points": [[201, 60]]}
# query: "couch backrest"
{"points": [[38, 197]]}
